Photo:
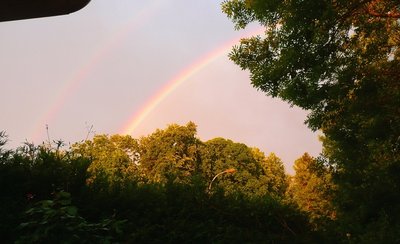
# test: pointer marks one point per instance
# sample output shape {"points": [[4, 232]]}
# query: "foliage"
{"points": [[176, 154], [316, 53], [121, 177], [4, 154], [180, 212], [311, 188], [113, 159], [32, 173], [173, 152], [255, 174], [57, 221], [273, 172], [339, 60]]}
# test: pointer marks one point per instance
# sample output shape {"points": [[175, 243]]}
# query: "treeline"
{"points": [[168, 187]]}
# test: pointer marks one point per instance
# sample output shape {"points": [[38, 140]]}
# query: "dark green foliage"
{"points": [[33, 173], [340, 60], [58, 221], [176, 213]]}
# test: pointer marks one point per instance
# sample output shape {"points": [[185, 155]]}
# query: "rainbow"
{"points": [[72, 84], [179, 79]]}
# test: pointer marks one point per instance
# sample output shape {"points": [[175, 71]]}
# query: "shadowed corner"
{"points": [[26, 9]]}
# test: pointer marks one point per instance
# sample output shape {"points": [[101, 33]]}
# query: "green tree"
{"points": [[311, 188], [273, 178], [170, 153], [315, 54], [113, 159], [255, 174], [339, 60]]}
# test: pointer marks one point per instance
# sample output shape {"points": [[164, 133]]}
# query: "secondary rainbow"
{"points": [[72, 84], [179, 79]]}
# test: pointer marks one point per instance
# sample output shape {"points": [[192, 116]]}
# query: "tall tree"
{"points": [[311, 188], [340, 60], [255, 174], [172, 152], [113, 159], [273, 178]]}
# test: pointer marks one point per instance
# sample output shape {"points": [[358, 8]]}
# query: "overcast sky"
{"points": [[102, 65]]}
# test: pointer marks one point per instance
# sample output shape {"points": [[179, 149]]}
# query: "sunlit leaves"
{"points": [[255, 173], [113, 159], [312, 188], [170, 152]]}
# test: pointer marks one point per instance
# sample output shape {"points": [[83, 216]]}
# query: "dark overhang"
{"points": [[27, 9]]}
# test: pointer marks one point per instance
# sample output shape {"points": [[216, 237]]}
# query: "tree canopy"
{"points": [[255, 173], [113, 159], [173, 152], [315, 53], [311, 188], [339, 60], [177, 154]]}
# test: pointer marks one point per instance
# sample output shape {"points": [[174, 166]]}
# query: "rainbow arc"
{"points": [[181, 77]]}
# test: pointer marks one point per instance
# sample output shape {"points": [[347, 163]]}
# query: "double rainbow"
{"points": [[73, 83]]}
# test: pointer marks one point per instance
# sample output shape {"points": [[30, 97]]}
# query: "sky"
{"points": [[131, 67]]}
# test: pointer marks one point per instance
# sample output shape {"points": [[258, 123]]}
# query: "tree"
{"points": [[274, 177], [316, 53], [255, 175], [176, 155], [113, 159], [172, 152], [339, 60], [4, 153], [311, 188]]}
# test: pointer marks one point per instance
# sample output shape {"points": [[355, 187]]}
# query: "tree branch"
{"points": [[390, 14]]}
